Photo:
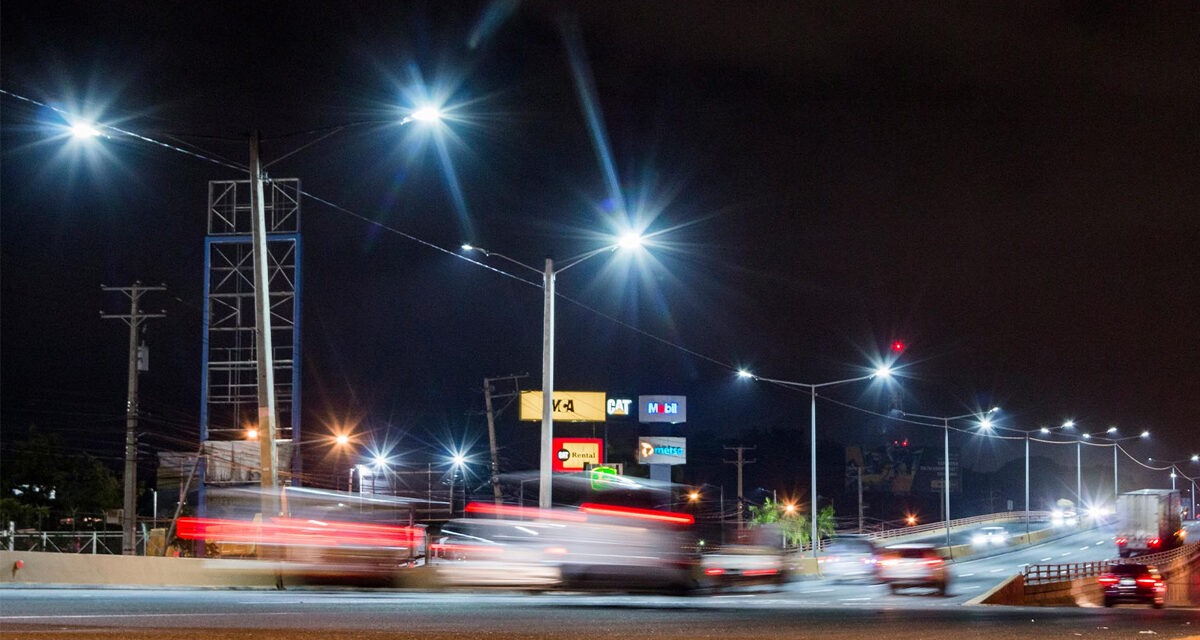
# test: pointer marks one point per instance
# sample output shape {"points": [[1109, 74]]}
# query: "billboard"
{"points": [[888, 468], [672, 409], [574, 454], [662, 450], [569, 406]]}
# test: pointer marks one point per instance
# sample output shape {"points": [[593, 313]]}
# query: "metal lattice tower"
{"points": [[229, 400]]}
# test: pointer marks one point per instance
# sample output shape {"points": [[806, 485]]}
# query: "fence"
{"points": [[94, 542], [1045, 573]]}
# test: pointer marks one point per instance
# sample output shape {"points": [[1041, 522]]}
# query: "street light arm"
{"points": [[582, 257], [490, 254]]}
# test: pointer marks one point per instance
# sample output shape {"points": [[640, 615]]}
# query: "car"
{"points": [[738, 564], [498, 553], [850, 558], [990, 537], [913, 565], [1138, 583]]}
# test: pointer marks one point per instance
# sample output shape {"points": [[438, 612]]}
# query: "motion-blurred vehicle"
{"points": [[913, 565], [320, 536], [742, 565], [630, 549], [508, 553], [1138, 583], [850, 558], [1148, 521], [990, 537]]}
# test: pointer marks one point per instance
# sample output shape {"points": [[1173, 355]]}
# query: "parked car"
{"points": [[850, 557], [914, 565], [1137, 583]]}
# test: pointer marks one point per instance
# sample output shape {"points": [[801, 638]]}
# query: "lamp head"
{"points": [[742, 373], [342, 439], [1111, 430], [426, 114], [81, 130], [467, 246], [884, 372], [630, 240], [1069, 424], [1145, 434]]}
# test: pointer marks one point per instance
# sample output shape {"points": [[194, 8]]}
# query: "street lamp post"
{"points": [[882, 372], [1175, 470], [946, 452], [549, 274]]}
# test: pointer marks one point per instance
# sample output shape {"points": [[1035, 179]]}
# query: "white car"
{"points": [[913, 565], [990, 537]]}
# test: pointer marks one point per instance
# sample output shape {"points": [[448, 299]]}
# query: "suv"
{"points": [[850, 557], [914, 565], [1133, 583]]}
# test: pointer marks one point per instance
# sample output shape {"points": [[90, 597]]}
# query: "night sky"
{"points": [[1010, 189]]}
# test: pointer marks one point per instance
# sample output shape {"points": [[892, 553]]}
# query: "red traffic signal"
{"points": [[898, 346]]}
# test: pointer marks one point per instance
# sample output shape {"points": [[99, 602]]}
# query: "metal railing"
{"points": [[931, 527], [1046, 573], [94, 542], [934, 527]]}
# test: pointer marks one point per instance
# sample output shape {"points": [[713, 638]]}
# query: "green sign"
{"points": [[603, 477]]}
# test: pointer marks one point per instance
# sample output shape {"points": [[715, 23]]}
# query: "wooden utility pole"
{"points": [[740, 462], [134, 319], [491, 421]]}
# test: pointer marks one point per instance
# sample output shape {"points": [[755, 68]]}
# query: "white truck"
{"points": [[1148, 521]]}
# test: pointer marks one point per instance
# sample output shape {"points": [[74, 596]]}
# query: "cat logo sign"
{"points": [[569, 406]]}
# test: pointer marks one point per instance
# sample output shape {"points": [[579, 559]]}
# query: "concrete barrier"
{"points": [[35, 567]]}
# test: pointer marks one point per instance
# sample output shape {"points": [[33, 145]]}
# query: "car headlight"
{"points": [[979, 539]]}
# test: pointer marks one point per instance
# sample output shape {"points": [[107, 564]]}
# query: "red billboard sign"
{"points": [[571, 454]]}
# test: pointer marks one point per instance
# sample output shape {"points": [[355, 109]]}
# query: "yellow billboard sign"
{"points": [[569, 406]]}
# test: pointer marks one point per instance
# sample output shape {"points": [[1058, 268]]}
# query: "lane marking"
{"points": [[995, 570], [142, 615], [965, 575], [1046, 558], [1084, 548], [1065, 554]]}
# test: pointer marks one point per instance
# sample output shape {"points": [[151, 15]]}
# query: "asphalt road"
{"points": [[804, 609]]}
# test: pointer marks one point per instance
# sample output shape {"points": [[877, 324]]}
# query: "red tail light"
{"points": [[1122, 541], [1146, 580], [1106, 580], [631, 512], [760, 572], [1154, 542], [714, 571], [934, 561]]}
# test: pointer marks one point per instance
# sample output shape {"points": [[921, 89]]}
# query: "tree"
{"points": [[40, 485], [795, 527]]}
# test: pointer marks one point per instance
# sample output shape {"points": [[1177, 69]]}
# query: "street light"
{"points": [[545, 475], [880, 372], [984, 423]]}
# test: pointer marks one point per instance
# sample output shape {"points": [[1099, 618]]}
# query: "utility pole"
{"points": [[740, 462], [491, 420], [134, 320], [860, 505], [268, 456]]}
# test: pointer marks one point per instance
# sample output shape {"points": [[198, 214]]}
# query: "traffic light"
{"points": [[898, 347]]}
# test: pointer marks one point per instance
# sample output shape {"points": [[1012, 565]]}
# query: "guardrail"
{"points": [[931, 527], [1046, 573]]}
